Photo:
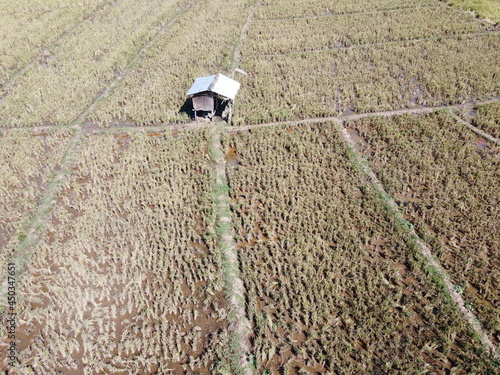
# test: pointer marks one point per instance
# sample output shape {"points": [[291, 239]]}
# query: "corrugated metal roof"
{"points": [[218, 83]]}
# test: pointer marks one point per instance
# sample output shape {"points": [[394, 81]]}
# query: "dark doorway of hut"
{"points": [[211, 107], [207, 108]]}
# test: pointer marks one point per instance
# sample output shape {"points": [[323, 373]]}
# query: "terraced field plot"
{"points": [[282, 36], [146, 243], [81, 65], [381, 56], [384, 78]]}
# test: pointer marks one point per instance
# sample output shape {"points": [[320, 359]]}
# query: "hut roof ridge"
{"points": [[218, 83]]}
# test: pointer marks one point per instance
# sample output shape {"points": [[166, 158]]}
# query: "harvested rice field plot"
{"points": [[27, 163], [283, 36], [333, 286], [83, 64], [200, 43], [445, 180], [378, 78], [485, 117], [27, 29], [126, 280]]}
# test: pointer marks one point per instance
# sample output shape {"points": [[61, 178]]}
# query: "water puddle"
{"points": [[486, 149], [359, 141], [416, 95], [116, 123], [201, 248], [348, 112], [481, 144], [123, 141], [232, 159], [401, 268], [42, 134]]}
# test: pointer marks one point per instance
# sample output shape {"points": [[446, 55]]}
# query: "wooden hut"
{"points": [[206, 92]]}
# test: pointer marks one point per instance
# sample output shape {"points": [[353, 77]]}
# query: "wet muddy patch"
{"points": [[359, 141]]}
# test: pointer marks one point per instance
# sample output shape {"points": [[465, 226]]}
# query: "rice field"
{"points": [[333, 284], [134, 240], [446, 183]]}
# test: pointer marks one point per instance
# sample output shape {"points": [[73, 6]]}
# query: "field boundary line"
{"points": [[236, 57], [149, 129], [91, 129], [239, 324], [33, 230], [423, 248], [356, 12], [380, 44], [357, 116], [475, 129], [8, 84]]}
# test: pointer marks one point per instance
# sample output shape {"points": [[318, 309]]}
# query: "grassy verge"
{"points": [[235, 290], [489, 9]]}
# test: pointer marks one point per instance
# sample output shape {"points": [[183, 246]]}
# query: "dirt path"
{"points": [[422, 246], [397, 112], [11, 81]]}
